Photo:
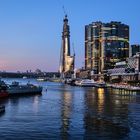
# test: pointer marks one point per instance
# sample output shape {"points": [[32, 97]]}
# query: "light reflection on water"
{"points": [[65, 112]]}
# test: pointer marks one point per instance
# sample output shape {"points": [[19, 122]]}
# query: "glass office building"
{"points": [[105, 44]]}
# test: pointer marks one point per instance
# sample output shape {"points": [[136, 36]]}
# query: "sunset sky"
{"points": [[30, 30]]}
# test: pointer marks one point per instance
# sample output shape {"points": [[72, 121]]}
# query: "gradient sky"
{"points": [[30, 30]]}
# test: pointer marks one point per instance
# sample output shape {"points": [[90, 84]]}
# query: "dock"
{"points": [[124, 87]]}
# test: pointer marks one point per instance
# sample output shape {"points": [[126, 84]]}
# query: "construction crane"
{"points": [[64, 10]]}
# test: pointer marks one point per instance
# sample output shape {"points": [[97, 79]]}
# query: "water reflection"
{"points": [[35, 104], [105, 116], [66, 109], [66, 112], [101, 98]]}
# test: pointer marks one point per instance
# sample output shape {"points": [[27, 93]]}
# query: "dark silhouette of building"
{"points": [[105, 44], [135, 48]]}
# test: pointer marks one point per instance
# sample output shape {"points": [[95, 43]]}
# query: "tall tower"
{"points": [[66, 60]]}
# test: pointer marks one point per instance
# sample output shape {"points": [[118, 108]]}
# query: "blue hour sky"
{"points": [[30, 30]]}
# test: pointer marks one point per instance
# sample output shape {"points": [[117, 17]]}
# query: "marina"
{"points": [[102, 84]]}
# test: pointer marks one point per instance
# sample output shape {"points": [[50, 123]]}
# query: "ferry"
{"points": [[86, 83], [16, 89], [90, 83]]}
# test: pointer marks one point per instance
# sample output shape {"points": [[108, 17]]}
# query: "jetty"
{"points": [[124, 87]]}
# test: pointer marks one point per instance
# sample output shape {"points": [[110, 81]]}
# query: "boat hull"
{"points": [[19, 92], [22, 91], [87, 85], [3, 94]]}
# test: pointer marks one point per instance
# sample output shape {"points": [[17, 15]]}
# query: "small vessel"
{"points": [[41, 79], [2, 109], [78, 82], [87, 83], [16, 89], [3, 89], [24, 77], [100, 84]]}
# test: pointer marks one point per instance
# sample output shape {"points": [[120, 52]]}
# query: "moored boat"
{"points": [[87, 83], [42, 79], [16, 89], [100, 84]]}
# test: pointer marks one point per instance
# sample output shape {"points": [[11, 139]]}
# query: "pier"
{"points": [[123, 89]]}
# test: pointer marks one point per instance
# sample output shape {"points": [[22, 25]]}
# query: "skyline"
{"points": [[31, 29]]}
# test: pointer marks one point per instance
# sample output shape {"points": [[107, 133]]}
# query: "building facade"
{"points": [[105, 44], [128, 70], [134, 49], [66, 60]]}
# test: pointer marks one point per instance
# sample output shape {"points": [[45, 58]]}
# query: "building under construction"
{"points": [[66, 60]]}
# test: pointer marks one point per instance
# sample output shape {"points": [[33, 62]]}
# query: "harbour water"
{"points": [[65, 112]]}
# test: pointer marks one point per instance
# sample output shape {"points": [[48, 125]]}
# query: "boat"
{"points": [[100, 84], [3, 89], [16, 89], [86, 83], [2, 109], [24, 77], [41, 79], [78, 82]]}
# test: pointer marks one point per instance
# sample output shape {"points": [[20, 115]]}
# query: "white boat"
{"points": [[16, 89], [87, 83], [100, 84], [78, 82], [24, 77], [41, 79]]}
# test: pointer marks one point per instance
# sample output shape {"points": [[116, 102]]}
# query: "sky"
{"points": [[31, 30]]}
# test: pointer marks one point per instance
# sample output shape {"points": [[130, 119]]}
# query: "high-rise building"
{"points": [[105, 44], [134, 49], [66, 60]]}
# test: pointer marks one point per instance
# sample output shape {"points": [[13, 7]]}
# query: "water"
{"points": [[65, 112]]}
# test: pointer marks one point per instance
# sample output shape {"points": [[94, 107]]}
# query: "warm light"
{"points": [[101, 91], [100, 99]]}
